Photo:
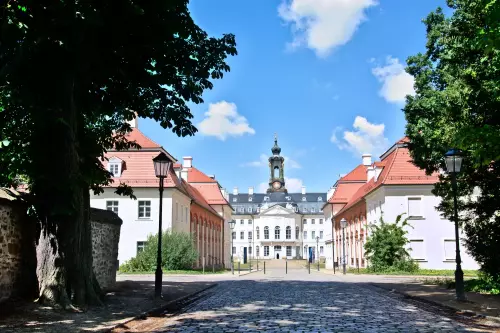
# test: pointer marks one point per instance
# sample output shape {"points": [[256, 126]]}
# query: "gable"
{"points": [[277, 210]]}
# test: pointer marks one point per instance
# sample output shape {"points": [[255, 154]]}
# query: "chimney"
{"points": [[235, 191], [370, 173], [303, 190], [184, 174], [134, 123], [178, 173], [367, 159], [187, 162], [250, 190]]}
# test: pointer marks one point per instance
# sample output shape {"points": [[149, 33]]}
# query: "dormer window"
{"points": [[288, 198], [312, 210], [115, 166], [266, 198], [305, 210], [250, 199], [320, 199], [235, 199], [304, 199]]}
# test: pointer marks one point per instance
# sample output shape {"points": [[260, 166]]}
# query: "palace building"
{"points": [[278, 224]]}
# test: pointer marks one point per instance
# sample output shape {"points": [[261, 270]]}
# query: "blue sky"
{"points": [[326, 75]]}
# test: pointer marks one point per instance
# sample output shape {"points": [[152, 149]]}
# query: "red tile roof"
{"points": [[198, 198], [196, 176], [211, 192], [358, 174], [398, 169], [142, 140], [344, 192]]}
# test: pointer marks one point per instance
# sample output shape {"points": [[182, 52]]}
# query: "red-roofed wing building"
{"points": [[185, 207], [393, 186]]}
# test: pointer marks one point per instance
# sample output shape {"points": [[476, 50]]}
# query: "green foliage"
{"points": [[485, 284], [456, 105], [386, 250], [177, 252]]}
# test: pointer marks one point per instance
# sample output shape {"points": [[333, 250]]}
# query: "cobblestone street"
{"points": [[302, 302]]}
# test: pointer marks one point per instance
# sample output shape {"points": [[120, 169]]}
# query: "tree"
{"points": [[386, 248], [456, 105], [71, 74], [178, 253]]}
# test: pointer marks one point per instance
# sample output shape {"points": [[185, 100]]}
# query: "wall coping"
{"points": [[104, 216]]}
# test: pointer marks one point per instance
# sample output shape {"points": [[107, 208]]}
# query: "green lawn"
{"points": [[191, 271], [426, 272]]}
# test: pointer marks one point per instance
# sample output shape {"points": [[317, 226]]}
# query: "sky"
{"points": [[326, 75]]}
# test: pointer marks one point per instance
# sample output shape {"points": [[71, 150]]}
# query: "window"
{"points": [[242, 222], [296, 232], [234, 249], [266, 232], [304, 221], [313, 221], [234, 234], [112, 206], [144, 209], [321, 250], [288, 251], [277, 233], [242, 209], [257, 250], [288, 232], [305, 210], [249, 250], [449, 249], [257, 232], [313, 234], [304, 199], [250, 235], [321, 234], [250, 199], [177, 211], [258, 209], [296, 209], [242, 235], [305, 235], [313, 210], [417, 251], [249, 222], [266, 198], [305, 250], [114, 168], [320, 199], [288, 198], [277, 248], [414, 207], [249, 209], [320, 221], [266, 251], [140, 246], [235, 199]]}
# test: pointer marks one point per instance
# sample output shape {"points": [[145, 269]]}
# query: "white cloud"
{"points": [[293, 185], [222, 120], [263, 161], [323, 25], [364, 138], [396, 83]]}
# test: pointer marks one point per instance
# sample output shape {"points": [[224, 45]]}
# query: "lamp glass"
{"points": [[232, 223], [453, 159], [161, 164], [343, 223]]}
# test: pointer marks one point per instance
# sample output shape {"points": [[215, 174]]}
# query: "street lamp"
{"points": [[343, 225], [232, 223], [161, 164], [453, 159], [317, 249]]}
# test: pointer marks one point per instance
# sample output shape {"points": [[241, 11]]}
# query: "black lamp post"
{"points": [[317, 249], [162, 165], [343, 225], [453, 159], [232, 223]]}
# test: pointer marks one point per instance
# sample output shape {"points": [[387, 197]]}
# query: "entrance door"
{"points": [[277, 255], [244, 255]]}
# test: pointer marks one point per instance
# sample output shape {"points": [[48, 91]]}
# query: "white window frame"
{"points": [[147, 203], [234, 235], [139, 246], [408, 199], [250, 235], [313, 234], [115, 163], [112, 205], [235, 199], [321, 234], [249, 209], [450, 259], [320, 221], [242, 235], [266, 251], [424, 258]]}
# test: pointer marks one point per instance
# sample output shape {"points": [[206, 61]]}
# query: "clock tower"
{"points": [[277, 169]]}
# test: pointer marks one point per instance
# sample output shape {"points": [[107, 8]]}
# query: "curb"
{"points": [[159, 309], [246, 273], [428, 301]]}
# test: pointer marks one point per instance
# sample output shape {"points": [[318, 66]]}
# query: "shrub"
{"points": [[386, 249], [178, 253]]}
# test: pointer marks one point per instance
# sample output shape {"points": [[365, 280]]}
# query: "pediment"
{"points": [[115, 159], [277, 210]]}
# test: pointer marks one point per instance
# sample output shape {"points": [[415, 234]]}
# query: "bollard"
{"points": [[239, 267], [264, 267], [257, 265], [309, 266], [203, 264], [286, 267], [213, 265]]}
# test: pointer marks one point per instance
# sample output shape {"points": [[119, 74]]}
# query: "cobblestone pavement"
{"points": [[302, 302]]}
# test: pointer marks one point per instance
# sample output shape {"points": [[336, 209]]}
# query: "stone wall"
{"points": [[105, 237], [17, 247]]}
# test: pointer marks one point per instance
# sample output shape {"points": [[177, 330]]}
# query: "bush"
{"points": [[386, 250], [178, 253]]}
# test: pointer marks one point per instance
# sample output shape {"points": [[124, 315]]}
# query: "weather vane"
{"points": [[275, 136]]}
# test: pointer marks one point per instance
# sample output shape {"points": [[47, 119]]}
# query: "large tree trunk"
{"points": [[64, 250]]}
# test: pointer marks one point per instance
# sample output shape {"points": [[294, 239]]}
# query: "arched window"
{"points": [[277, 233], [288, 232], [297, 232], [257, 232], [266, 232]]}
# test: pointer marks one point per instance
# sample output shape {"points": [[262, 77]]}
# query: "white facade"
{"points": [[432, 237], [138, 224], [279, 233]]}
